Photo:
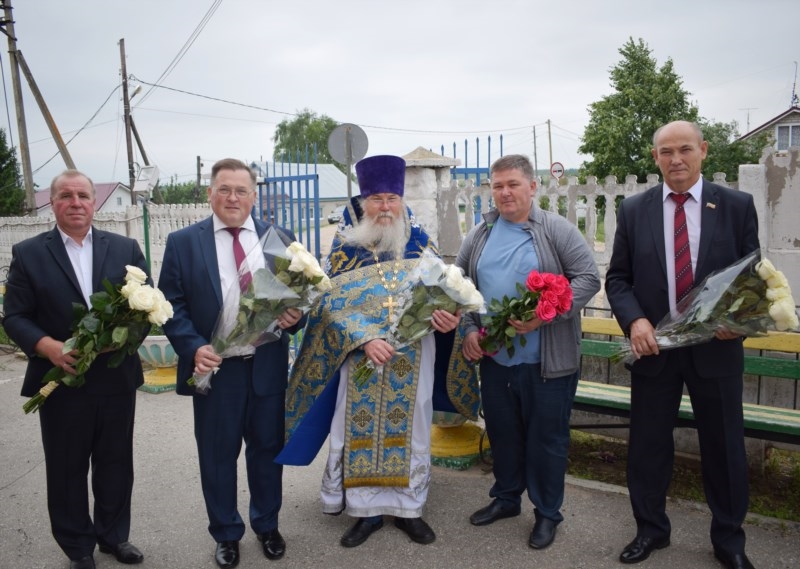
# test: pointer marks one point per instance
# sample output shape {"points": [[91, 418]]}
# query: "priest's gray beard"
{"points": [[372, 235]]}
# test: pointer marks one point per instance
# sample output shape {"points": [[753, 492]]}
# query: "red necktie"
{"points": [[239, 257], [683, 256]]}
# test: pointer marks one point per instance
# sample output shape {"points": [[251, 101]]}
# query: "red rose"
{"points": [[550, 297], [545, 311], [565, 301], [535, 281]]}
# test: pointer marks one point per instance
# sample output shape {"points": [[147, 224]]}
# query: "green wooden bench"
{"points": [[760, 421]]}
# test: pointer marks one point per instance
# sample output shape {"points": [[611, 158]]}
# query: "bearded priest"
{"points": [[379, 460]]}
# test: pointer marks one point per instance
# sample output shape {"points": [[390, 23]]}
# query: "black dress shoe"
{"points": [[641, 548], [497, 510], [417, 529], [359, 533], [273, 544], [227, 554], [82, 563], [543, 533], [735, 561], [125, 552]]}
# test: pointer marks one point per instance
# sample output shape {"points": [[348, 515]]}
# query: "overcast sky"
{"points": [[410, 73]]}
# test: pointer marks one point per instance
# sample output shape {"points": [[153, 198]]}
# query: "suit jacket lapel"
{"points": [[99, 251], [56, 247], [708, 222], [208, 248], [655, 216]]}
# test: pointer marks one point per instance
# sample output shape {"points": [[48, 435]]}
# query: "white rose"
{"points": [[128, 288], [777, 280], [778, 293], [135, 274], [783, 310], [161, 313], [143, 298], [325, 283]]}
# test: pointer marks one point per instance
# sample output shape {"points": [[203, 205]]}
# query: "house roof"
{"points": [[773, 121], [332, 181], [102, 192]]}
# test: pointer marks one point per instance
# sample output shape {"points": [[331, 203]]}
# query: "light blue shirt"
{"points": [[506, 260]]}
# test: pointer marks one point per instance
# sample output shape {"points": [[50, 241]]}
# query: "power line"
{"points": [[186, 45], [290, 114]]}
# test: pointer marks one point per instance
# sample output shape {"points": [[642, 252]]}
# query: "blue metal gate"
{"points": [[289, 197]]}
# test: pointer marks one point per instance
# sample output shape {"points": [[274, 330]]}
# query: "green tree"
{"points": [[619, 135], [293, 136], [175, 193], [726, 152], [12, 195]]}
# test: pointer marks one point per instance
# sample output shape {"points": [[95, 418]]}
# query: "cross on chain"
{"points": [[390, 304]]}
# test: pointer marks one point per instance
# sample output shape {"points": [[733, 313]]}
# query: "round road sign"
{"points": [[557, 169]]}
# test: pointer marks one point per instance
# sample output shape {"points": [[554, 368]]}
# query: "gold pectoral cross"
{"points": [[390, 304]]}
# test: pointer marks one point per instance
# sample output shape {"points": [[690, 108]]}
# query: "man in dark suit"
{"points": [[246, 399], [641, 285], [93, 424]]}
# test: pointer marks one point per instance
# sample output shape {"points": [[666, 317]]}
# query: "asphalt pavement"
{"points": [[169, 520]]}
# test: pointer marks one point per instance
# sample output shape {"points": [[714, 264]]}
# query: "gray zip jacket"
{"points": [[561, 249]]}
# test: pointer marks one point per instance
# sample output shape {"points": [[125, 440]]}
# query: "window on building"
{"points": [[119, 201], [788, 135]]}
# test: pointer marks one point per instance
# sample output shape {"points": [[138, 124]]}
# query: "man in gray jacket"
{"points": [[527, 396]]}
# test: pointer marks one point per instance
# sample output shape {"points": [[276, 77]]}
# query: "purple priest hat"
{"points": [[381, 174]]}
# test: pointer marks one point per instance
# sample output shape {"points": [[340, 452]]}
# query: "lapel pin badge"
{"points": [[711, 205]]}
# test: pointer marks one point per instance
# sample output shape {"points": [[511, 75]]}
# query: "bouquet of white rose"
{"points": [[118, 320], [249, 318], [434, 285], [750, 297]]}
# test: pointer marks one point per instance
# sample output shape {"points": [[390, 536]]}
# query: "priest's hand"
{"points": [[379, 351], [443, 321]]}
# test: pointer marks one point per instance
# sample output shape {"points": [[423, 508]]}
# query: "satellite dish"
{"points": [[347, 144]]}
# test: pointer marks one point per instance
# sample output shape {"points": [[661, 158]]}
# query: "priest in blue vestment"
{"points": [[379, 460]]}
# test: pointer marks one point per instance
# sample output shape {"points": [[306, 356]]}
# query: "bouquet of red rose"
{"points": [[544, 295]]}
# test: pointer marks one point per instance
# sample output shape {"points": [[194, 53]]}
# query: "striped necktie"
{"points": [[683, 256], [239, 257]]}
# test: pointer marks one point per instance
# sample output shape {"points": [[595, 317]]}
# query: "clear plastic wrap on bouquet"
{"points": [[433, 285], [749, 297], [273, 278]]}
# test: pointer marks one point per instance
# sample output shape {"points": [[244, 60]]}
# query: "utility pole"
{"points": [[550, 143], [197, 188], [22, 131], [535, 156], [126, 106], [48, 118]]}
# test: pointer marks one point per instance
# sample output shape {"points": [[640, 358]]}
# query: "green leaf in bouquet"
{"points": [[119, 335], [90, 323], [100, 300], [54, 374], [72, 380]]}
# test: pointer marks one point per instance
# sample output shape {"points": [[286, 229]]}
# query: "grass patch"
{"points": [[775, 492]]}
